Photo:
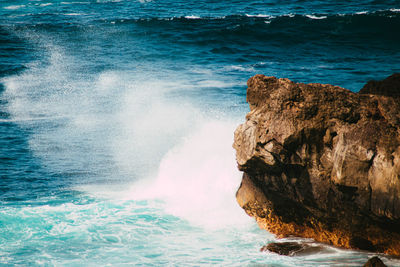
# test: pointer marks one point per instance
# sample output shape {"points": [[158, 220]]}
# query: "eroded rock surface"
{"points": [[322, 162]]}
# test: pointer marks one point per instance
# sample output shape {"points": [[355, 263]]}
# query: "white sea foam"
{"points": [[395, 9], [108, 1], [362, 12], [192, 17], [259, 16], [14, 7], [215, 83], [73, 3], [316, 17], [241, 68], [198, 179], [290, 15]]}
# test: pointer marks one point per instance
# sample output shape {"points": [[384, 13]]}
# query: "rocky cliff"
{"points": [[322, 162]]}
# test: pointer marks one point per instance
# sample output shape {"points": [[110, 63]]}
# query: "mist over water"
{"points": [[117, 121], [198, 178]]}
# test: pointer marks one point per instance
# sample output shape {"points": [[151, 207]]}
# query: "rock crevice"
{"points": [[323, 162]]}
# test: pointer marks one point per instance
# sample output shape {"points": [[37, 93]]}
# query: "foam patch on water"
{"points": [[73, 14], [316, 17], [260, 16], [115, 232], [14, 7], [192, 17], [240, 68], [73, 3]]}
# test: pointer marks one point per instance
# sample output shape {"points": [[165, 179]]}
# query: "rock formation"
{"points": [[322, 162], [292, 248], [286, 248], [374, 262]]}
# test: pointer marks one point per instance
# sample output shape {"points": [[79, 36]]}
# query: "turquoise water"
{"points": [[117, 120]]}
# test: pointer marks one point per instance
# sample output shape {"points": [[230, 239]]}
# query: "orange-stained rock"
{"points": [[322, 162]]}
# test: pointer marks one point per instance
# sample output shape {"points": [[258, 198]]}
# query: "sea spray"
{"points": [[198, 179], [149, 124], [97, 97]]}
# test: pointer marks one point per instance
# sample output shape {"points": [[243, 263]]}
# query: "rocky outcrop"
{"points": [[374, 262], [388, 87], [322, 162]]}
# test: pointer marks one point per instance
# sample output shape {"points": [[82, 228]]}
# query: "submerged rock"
{"points": [[292, 248], [285, 248], [322, 162], [374, 262]]}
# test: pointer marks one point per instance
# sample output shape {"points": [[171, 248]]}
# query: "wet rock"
{"points": [[292, 248], [322, 162], [286, 248], [374, 262]]}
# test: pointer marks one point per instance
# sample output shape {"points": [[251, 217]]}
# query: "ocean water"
{"points": [[117, 120]]}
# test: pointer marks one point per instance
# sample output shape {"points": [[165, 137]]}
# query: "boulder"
{"points": [[389, 86], [285, 248], [374, 262], [292, 248], [322, 162]]}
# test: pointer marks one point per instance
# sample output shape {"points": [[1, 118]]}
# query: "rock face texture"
{"points": [[322, 162]]}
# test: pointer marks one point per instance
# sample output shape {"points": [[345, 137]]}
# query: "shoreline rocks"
{"points": [[292, 248], [322, 162]]}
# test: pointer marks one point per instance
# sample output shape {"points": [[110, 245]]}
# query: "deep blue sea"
{"points": [[117, 121]]}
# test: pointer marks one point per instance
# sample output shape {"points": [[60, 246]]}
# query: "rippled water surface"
{"points": [[117, 120]]}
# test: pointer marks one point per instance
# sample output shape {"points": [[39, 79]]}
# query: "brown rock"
{"points": [[322, 162], [374, 262], [285, 248], [388, 87], [292, 248]]}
